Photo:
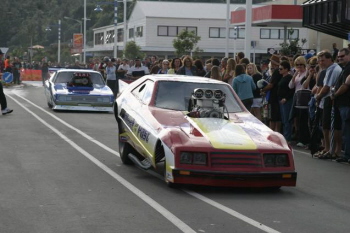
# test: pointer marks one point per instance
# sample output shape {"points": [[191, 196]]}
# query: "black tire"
{"points": [[124, 150], [49, 104], [115, 111]]}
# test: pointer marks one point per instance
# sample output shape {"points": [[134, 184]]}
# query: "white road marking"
{"points": [[167, 214], [232, 212], [194, 194]]}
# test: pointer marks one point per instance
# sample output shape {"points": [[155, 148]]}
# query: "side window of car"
{"points": [[144, 91]]}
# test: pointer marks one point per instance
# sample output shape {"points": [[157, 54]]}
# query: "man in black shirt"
{"points": [[341, 96]]}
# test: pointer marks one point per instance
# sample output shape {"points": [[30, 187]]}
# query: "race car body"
{"points": [[201, 132], [79, 90]]}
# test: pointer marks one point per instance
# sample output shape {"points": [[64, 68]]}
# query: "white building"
{"points": [[154, 26]]}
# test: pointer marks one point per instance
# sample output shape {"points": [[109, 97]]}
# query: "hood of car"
{"points": [[242, 132], [61, 88]]}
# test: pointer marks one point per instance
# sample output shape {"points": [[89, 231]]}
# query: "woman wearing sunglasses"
{"points": [[301, 114]]}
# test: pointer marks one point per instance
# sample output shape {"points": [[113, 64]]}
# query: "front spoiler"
{"points": [[257, 180], [83, 108]]}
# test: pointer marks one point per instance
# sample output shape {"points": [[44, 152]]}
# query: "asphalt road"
{"points": [[60, 172]]}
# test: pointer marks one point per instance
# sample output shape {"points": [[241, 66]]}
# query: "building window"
{"points": [[99, 39], [131, 32], [162, 31], [264, 34], [120, 35], [139, 31], [173, 31], [277, 34], [241, 33], [214, 32], [221, 33], [110, 37]]}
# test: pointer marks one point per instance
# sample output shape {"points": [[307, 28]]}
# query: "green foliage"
{"points": [[292, 47], [132, 50], [185, 42]]}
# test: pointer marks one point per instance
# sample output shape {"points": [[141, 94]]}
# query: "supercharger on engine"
{"points": [[207, 103]]}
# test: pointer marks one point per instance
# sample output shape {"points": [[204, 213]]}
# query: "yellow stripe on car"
{"points": [[224, 134]]}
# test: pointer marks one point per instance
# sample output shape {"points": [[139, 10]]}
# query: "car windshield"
{"points": [[64, 77], [176, 95]]}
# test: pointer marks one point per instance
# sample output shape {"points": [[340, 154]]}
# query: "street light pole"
{"points": [[227, 27], [59, 42], [84, 42], [125, 33], [115, 28]]}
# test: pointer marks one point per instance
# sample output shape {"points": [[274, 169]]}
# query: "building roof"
{"points": [[191, 10], [271, 15]]}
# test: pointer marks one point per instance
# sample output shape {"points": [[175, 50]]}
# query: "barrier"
{"points": [[30, 75]]}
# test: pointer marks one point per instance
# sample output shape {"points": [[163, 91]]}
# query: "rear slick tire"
{"points": [[124, 150]]}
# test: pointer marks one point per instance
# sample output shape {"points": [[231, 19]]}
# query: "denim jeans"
{"points": [[345, 116], [286, 124]]}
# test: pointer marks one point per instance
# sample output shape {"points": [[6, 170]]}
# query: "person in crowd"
{"points": [[123, 69], [16, 71], [300, 115], [223, 67], [165, 67], [264, 66], [44, 72], [102, 67], [335, 51], [215, 73], [208, 67], [244, 61], [285, 98], [230, 71], [214, 62], [309, 81], [138, 70], [111, 76], [176, 63], [3, 102], [324, 100], [157, 65], [244, 86], [187, 68], [257, 101], [319, 84], [147, 62], [200, 69], [8, 67], [96, 64], [154, 60], [341, 97], [240, 55], [272, 87]]}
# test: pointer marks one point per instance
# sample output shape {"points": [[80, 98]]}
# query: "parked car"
{"points": [[80, 90], [199, 130]]}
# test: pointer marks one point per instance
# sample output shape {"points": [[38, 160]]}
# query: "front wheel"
{"points": [[169, 184]]}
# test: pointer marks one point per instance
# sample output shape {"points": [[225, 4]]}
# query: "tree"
{"points": [[293, 46], [185, 42], [132, 50]]}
